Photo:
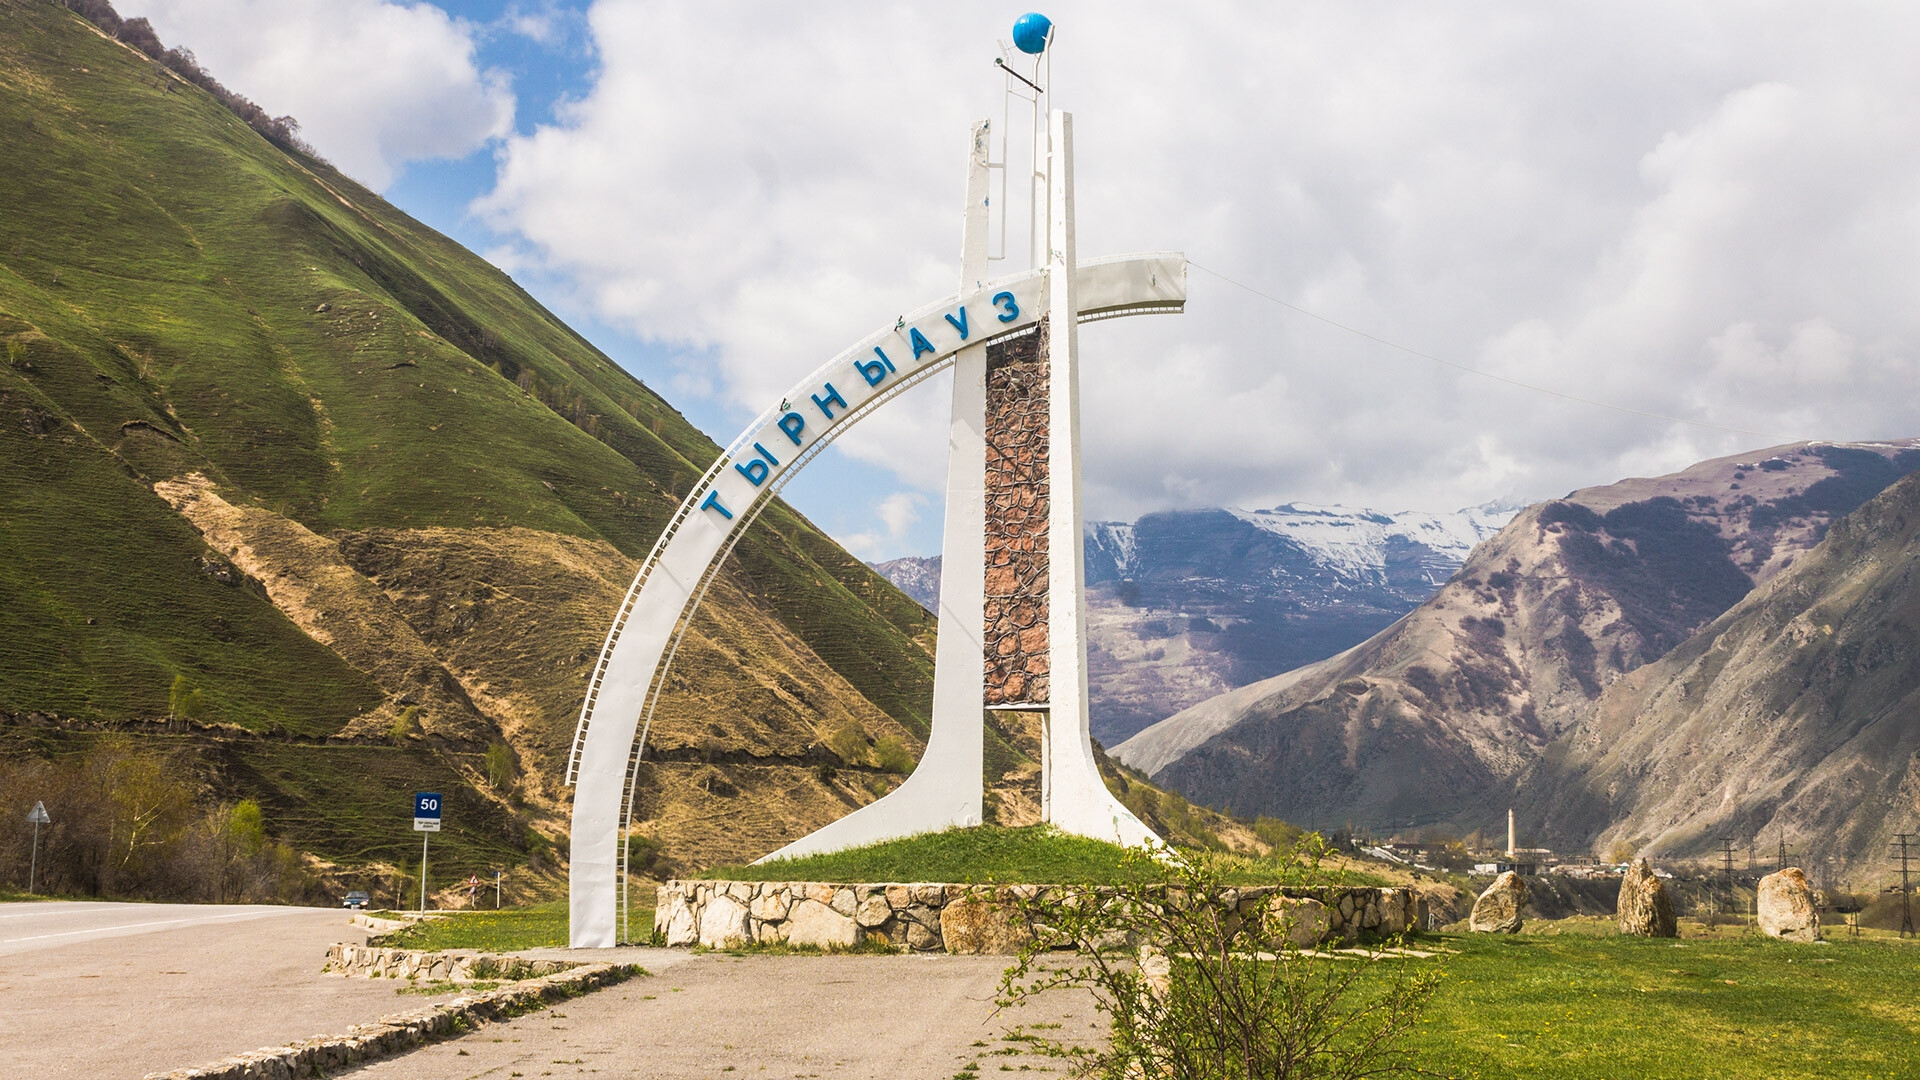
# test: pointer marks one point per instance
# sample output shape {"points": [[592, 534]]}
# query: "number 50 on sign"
{"points": [[426, 811]]}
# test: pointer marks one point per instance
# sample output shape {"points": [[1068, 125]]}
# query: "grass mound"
{"points": [[992, 854], [538, 926]]}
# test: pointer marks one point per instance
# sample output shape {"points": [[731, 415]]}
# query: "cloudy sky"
{"points": [[1705, 211]]}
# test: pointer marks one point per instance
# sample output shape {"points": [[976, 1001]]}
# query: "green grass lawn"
{"points": [[991, 854], [539, 926], [1575, 1006]]}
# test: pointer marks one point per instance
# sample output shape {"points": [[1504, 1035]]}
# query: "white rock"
{"points": [[678, 923], [814, 923], [723, 924]]}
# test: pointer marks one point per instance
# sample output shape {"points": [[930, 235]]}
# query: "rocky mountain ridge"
{"points": [[1434, 720], [1786, 721]]}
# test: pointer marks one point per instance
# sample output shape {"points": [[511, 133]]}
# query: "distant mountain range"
{"points": [[1606, 664], [1184, 605]]}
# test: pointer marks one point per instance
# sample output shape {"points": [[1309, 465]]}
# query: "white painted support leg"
{"points": [[1077, 800], [946, 789]]}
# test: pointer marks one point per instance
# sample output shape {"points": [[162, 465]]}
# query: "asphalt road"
{"points": [[718, 1016], [121, 990]]}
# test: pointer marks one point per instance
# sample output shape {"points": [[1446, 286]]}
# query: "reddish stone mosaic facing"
{"points": [[1017, 485]]}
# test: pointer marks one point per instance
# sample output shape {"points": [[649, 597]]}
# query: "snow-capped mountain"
{"points": [[1187, 604], [1359, 544]]}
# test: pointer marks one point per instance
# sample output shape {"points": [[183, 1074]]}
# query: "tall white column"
{"points": [[946, 788], [1077, 800], [957, 745]]}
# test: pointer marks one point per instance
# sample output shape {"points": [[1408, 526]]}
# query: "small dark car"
{"points": [[356, 899]]}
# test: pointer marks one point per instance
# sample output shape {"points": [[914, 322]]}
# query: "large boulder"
{"points": [[977, 926], [1645, 908], [1498, 909], [723, 923], [1785, 906], [1302, 921], [676, 919], [822, 925]]}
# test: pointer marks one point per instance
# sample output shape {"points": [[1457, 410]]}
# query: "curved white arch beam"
{"points": [[734, 489]]}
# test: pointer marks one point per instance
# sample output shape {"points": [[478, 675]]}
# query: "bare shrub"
{"points": [[1201, 981]]}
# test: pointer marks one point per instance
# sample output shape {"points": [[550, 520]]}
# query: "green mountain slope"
{"points": [[262, 432]]}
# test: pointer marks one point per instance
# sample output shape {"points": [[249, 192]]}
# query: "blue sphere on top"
{"points": [[1030, 33]]}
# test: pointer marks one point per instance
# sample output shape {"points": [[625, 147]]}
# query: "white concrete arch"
{"points": [[674, 576]]}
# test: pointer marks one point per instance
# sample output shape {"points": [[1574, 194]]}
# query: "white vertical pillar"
{"points": [[1510, 832], [946, 788], [1077, 800], [959, 674]]}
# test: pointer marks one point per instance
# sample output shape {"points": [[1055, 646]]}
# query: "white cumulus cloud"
{"points": [[374, 84], [1701, 210]]}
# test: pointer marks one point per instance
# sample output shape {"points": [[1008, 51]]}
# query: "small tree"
{"points": [[405, 725], [500, 770], [848, 743], [184, 701], [891, 754], [1204, 981]]}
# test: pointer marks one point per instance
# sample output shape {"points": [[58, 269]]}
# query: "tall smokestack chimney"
{"points": [[1510, 844]]}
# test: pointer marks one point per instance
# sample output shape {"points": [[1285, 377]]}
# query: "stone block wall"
{"points": [[1017, 505], [453, 965], [939, 917]]}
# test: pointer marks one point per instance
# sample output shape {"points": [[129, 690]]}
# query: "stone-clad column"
{"points": [[1016, 654]]}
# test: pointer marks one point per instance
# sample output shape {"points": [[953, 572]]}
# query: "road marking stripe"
{"points": [[135, 926]]}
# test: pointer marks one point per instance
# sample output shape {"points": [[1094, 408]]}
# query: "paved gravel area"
{"points": [[714, 1016], [121, 990]]}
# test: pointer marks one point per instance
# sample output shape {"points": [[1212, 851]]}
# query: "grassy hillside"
{"points": [[375, 450]]}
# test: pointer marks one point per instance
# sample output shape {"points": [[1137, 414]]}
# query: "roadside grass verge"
{"points": [[991, 854], [538, 926], [1576, 1006]]}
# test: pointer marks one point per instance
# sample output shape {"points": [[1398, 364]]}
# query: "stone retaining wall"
{"points": [[935, 917], [454, 965]]}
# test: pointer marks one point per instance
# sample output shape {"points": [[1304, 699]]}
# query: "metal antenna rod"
{"points": [[1004, 66]]}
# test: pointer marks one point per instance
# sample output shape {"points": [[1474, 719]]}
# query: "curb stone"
{"points": [[400, 1032]]}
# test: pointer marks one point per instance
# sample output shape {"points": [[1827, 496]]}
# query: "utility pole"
{"points": [[1782, 864], [1726, 854], [1904, 852], [496, 890]]}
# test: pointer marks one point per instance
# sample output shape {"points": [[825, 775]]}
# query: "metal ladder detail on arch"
{"points": [[946, 789]]}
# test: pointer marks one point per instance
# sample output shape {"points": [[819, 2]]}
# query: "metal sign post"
{"points": [[426, 819], [496, 890], [38, 816]]}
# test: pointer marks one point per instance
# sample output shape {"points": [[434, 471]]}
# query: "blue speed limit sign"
{"points": [[426, 811]]}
